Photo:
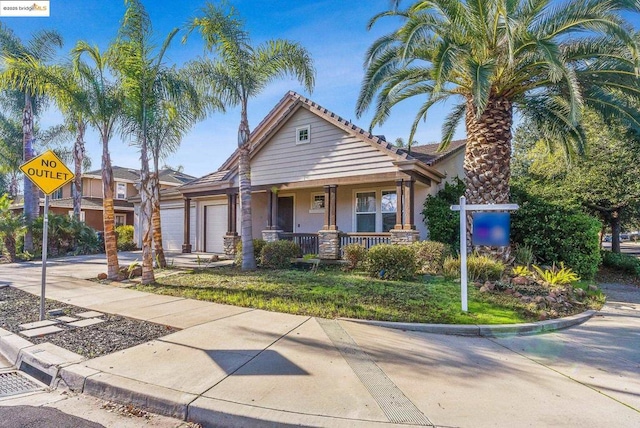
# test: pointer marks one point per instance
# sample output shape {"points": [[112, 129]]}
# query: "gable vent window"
{"points": [[303, 134]]}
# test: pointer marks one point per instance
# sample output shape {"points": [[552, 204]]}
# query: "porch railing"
{"points": [[308, 242], [365, 239]]}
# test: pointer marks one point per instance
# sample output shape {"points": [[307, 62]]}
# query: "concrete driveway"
{"points": [[243, 367]]}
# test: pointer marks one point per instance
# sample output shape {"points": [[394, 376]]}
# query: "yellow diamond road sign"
{"points": [[47, 172]]}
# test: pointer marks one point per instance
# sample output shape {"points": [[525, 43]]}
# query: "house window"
{"points": [[389, 207], [120, 219], [366, 212], [303, 134], [57, 194], [81, 215], [121, 190], [317, 203]]}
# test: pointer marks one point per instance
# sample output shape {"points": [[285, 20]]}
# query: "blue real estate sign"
{"points": [[491, 229]]}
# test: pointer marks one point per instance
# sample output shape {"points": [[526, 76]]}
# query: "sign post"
{"points": [[49, 174], [463, 208]]}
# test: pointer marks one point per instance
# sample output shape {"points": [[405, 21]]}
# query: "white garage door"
{"points": [[172, 221], [215, 227]]}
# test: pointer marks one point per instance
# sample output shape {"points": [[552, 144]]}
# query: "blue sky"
{"points": [[334, 31]]}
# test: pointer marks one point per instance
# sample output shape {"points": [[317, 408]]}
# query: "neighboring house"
{"points": [[125, 187], [317, 179]]}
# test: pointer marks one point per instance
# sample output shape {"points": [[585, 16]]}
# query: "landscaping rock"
{"points": [[102, 276], [543, 316], [490, 285], [484, 289], [593, 287], [519, 280]]}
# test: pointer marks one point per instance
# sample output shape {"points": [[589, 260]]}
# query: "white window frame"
{"points": [[122, 216], [82, 216], [58, 194], [299, 130], [378, 212], [118, 184], [313, 209]]}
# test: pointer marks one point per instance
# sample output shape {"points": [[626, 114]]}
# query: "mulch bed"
{"points": [[114, 334]]}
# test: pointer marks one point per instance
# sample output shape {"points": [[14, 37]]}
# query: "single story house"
{"points": [[317, 179]]}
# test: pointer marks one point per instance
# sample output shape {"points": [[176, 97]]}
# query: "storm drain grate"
{"points": [[14, 383]]}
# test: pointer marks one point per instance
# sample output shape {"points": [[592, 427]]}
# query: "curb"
{"points": [[485, 330]]}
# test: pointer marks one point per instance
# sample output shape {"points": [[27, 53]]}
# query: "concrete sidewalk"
{"points": [[232, 366]]}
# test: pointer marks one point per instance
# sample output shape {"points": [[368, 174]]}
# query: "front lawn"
{"points": [[332, 293]]}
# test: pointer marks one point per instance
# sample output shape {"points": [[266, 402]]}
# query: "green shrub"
{"points": [[388, 261], [65, 235], [278, 254], [11, 227], [523, 255], [430, 256], [557, 276], [125, 238], [258, 244], [479, 268], [442, 223], [621, 262], [556, 233], [354, 254]]}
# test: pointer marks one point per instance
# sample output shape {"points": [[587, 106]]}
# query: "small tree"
{"points": [[10, 226]]}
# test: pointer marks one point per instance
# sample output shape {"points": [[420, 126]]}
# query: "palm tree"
{"points": [[146, 82], [40, 49], [11, 152], [102, 108], [241, 72], [492, 58], [172, 121]]}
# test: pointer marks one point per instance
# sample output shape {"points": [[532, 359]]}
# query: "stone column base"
{"points": [[230, 244], [270, 235], [404, 236], [186, 248], [329, 244]]}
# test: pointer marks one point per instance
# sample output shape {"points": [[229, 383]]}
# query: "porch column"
{"points": [[333, 191], [186, 246], [271, 233], [329, 236], [231, 239], [399, 205], [327, 216], [269, 210], [408, 205]]}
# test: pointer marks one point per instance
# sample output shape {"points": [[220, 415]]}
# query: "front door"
{"points": [[285, 213]]}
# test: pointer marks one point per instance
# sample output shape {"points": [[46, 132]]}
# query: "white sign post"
{"points": [[463, 208], [49, 174]]}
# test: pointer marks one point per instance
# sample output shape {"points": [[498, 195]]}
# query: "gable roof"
{"points": [[429, 154], [419, 161], [167, 175]]}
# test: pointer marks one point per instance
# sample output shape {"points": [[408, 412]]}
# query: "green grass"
{"points": [[331, 293]]}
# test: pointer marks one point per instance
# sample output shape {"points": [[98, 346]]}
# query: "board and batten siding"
{"points": [[331, 153]]}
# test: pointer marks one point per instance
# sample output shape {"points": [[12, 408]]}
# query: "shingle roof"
{"points": [[166, 175], [429, 154], [214, 177]]}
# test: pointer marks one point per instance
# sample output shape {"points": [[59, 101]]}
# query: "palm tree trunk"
{"points": [[31, 199], [244, 173], [487, 159], [110, 242], [155, 219], [145, 215], [78, 157]]}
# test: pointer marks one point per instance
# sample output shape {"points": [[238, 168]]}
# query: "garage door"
{"points": [[215, 227], [172, 221]]}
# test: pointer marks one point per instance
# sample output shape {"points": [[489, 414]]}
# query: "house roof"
{"points": [[89, 203], [419, 161], [429, 154], [167, 175]]}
